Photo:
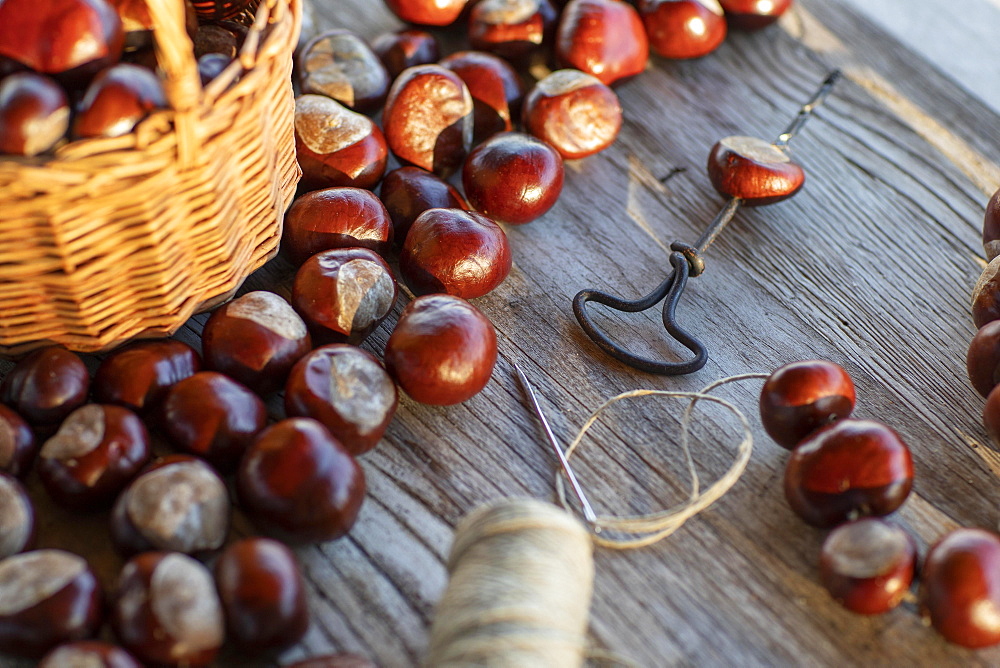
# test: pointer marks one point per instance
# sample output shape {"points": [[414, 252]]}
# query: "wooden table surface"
{"points": [[871, 266]]}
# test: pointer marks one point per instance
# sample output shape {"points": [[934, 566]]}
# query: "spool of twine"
{"points": [[521, 575]]}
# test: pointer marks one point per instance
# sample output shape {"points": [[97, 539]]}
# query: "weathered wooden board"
{"points": [[870, 266]]}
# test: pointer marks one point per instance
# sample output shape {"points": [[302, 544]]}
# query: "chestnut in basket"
{"points": [[336, 146], [346, 389], [212, 38], [336, 218], [573, 112], [166, 610], [753, 14], [34, 114], [177, 503], [755, 170], [88, 654], [801, 397], [339, 64], [212, 65], [47, 597], [428, 119], [343, 294], [604, 38], [462, 253], [255, 339], [138, 375], [442, 351], [406, 48], [409, 191], [512, 29], [683, 28], [298, 484], [427, 12], [495, 88], [46, 386], [263, 594], [17, 521], [17, 444], [117, 99], [96, 451]]}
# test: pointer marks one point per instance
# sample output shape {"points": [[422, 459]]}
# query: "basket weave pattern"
{"points": [[111, 239]]}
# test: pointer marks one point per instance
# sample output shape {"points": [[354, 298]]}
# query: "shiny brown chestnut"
{"points": [[960, 587], [682, 29], [46, 386], [263, 595], [17, 444], [333, 661], [983, 359], [991, 416], [850, 469], [137, 376], [753, 14], [605, 38], [513, 177], [406, 48], [117, 99], [212, 38], [346, 389], [17, 519], [754, 170], [336, 218], [495, 87], [178, 503], [255, 339], [991, 227], [512, 29], [88, 654], [427, 12], [442, 351], [428, 119], [47, 597], [336, 146], [573, 112], [298, 484], [801, 397], [409, 191], [343, 294], [986, 295], [96, 451], [461, 253], [34, 114], [212, 416], [339, 64], [868, 565], [166, 610]]}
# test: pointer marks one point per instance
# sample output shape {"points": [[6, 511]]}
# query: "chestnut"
{"points": [[177, 503], [117, 99], [495, 87], [849, 469], [17, 519], [754, 170], [991, 416], [298, 484], [406, 48], [166, 610], [336, 146], [34, 114], [462, 253], [343, 294], [339, 64], [513, 177], [683, 29], [138, 375], [212, 416], [336, 218], [605, 38], [983, 359], [333, 661], [512, 29], [960, 587], [212, 38], [263, 594], [17, 444], [991, 227], [801, 397], [427, 12], [96, 451], [868, 565], [347, 390], [409, 191], [573, 112], [47, 597], [255, 339], [986, 295], [428, 119], [88, 654], [442, 351], [46, 386], [753, 14]]}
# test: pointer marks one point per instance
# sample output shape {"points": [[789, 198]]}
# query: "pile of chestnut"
{"points": [[845, 474], [983, 359]]}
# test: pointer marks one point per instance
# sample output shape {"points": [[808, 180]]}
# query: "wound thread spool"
{"points": [[522, 572]]}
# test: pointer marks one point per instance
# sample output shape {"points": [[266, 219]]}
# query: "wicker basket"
{"points": [[111, 239]]}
